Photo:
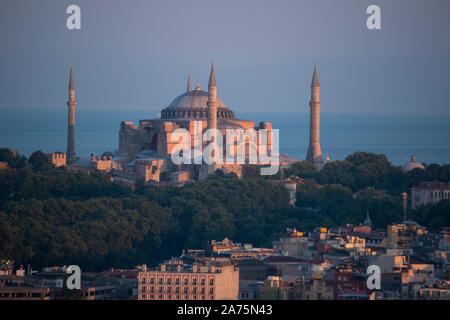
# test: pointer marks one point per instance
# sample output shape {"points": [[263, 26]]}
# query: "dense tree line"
{"points": [[53, 216], [435, 217], [363, 169], [13, 160]]}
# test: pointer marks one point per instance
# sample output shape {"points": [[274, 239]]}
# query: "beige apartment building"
{"points": [[174, 280], [429, 192]]}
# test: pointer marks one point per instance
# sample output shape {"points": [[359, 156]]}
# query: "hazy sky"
{"points": [[136, 54]]}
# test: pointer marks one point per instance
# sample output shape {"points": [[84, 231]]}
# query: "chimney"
{"points": [[413, 158], [163, 267]]}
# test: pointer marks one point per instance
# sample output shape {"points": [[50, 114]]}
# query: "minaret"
{"points": [[209, 165], [212, 110], [71, 157], [405, 205], [314, 154], [212, 100], [189, 82], [367, 220]]}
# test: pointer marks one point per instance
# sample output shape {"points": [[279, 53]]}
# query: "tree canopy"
{"points": [[53, 216]]}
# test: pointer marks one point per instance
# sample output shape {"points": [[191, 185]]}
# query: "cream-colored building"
{"points": [[174, 280], [403, 235], [429, 192], [58, 159], [102, 163], [294, 244], [318, 288]]}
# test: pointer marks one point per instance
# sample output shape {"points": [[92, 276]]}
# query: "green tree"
{"points": [[302, 169], [14, 161], [39, 161]]}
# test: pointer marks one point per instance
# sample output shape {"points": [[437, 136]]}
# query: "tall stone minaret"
{"points": [[208, 167], [212, 110], [71, 157], [314, 154], [212, 100], [189, 82]]}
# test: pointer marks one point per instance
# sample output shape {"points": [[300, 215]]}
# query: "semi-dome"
{"points": [[413, 165], [193, 105]]}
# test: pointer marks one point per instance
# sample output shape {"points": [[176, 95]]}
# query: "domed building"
{"points": [[150, 144], [413, 165], [193, 105]]}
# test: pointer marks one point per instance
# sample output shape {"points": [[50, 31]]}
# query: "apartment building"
{"points": [[175, 280]]}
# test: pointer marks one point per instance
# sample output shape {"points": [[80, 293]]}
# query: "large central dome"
{"points": [[193, 105]]}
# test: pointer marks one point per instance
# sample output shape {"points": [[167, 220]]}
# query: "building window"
{"points": [[211, 281], [194, 281], [169, 280], [143, 289], [186, 281], [160, 280], [203, 281], [185, 290], [211, 290], [177, 280], [152, 280], [143, 280]]}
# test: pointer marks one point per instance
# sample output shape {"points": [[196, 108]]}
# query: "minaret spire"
{"points": [[314, 154], [189, 82], [71, 85], [212, 99], [367, 220], [315, 79], [71, 156], [212, 76]]}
